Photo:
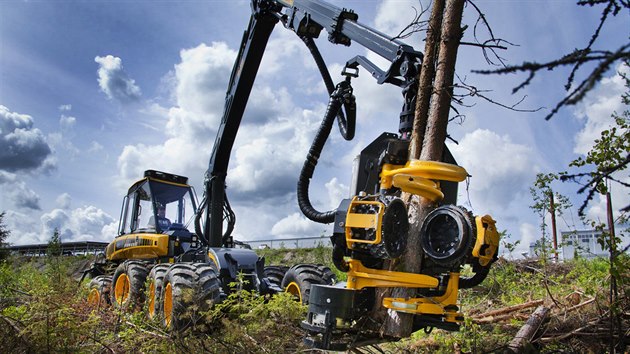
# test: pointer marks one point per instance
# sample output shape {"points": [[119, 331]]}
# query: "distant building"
{"points": [[583, 243], [571, 243]]}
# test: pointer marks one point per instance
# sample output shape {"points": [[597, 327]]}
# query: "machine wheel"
{"points": [[99, 290], [155, 282], [299, 279], [188, 285], [275, 274], [128, 285]]}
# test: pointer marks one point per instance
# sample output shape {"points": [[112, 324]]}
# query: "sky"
{"points": [[92, 93]]}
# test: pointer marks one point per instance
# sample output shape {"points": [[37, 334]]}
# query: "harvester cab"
{"points": [[154, 219]]}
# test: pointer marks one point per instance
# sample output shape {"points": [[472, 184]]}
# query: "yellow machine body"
{"points": [[138, 246]]}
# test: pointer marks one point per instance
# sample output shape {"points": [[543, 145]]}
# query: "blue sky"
{"points": [[93, 93]]}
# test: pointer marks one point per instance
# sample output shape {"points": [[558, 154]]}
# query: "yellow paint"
{"points": [[121, 289], [486, 236], [94, 297], [418, 177], [168, 305], [360, 277], [363, 221], [138, 246], [152, 299], [294, 289], [430, 306]]}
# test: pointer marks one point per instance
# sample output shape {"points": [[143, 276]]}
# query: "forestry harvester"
{"points": [[174, 244]]}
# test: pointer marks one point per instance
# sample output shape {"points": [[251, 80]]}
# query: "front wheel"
{"points": [[299, 279], [189, 288], [128, 285]]}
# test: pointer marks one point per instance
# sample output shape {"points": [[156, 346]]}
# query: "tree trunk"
{"points": [[429, 134]]}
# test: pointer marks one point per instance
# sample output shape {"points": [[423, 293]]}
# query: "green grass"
{"points": [[42, 309]]}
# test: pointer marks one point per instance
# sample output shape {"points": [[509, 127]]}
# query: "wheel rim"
{"points": [[151, 300], [121, 292], [168, 304], [94, 297], [294, 289]]}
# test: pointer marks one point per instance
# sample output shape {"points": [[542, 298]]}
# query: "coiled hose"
{"points": [[339, 96], [346, 127]]}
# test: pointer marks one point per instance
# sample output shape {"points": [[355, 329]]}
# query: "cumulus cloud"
{"points": [[394, 15], [81, 224], [114, 81], [296, 225], [67, 122], [198, 84], [336, 192], [500, 169], [24, 228], [597, 108], [95, 147], [63, 201], [18, 193], [528, 234], [65, 107], [24, 197], [22, 147]]}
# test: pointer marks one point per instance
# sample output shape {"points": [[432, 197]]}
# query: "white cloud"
{"points": [[24, 197], [336, 192], [114, 81], [620, 197], [296, 225], [64, 201], [528, 234], [22, 147], [23, 228], [394, 15], [500, 169], [95, 147], [67, 122], [80, 224], [65, 107], [18, 193], [597, 108]]}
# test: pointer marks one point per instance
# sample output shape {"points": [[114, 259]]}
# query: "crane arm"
{"points": [[306, 18]]}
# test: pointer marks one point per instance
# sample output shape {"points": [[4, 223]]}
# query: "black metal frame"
{"points": [[306, 18]]}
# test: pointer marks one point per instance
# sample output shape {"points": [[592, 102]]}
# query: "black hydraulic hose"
{"points": [[334, 105], [198, 216], [346, 126]]}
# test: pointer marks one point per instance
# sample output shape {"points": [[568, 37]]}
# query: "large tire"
{"points": [[189, 288], [275, 274], [99, 291], [128, 285], [155, 282], [299, 279]]}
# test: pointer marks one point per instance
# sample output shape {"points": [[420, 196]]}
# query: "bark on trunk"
{"points": [[527, 332], [429, 133]]}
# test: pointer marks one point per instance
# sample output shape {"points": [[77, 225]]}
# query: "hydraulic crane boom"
{"points": [[306, 18], [372, 227]]}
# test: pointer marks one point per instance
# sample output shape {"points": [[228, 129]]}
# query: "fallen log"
{"points": [[508, 309], [500, 318], [529, 329]]}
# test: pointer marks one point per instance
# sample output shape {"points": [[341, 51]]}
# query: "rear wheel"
{"points": [[128, 285], [275, 274], [188, 286], [299, 279], [99, 291], [155, 284]]}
